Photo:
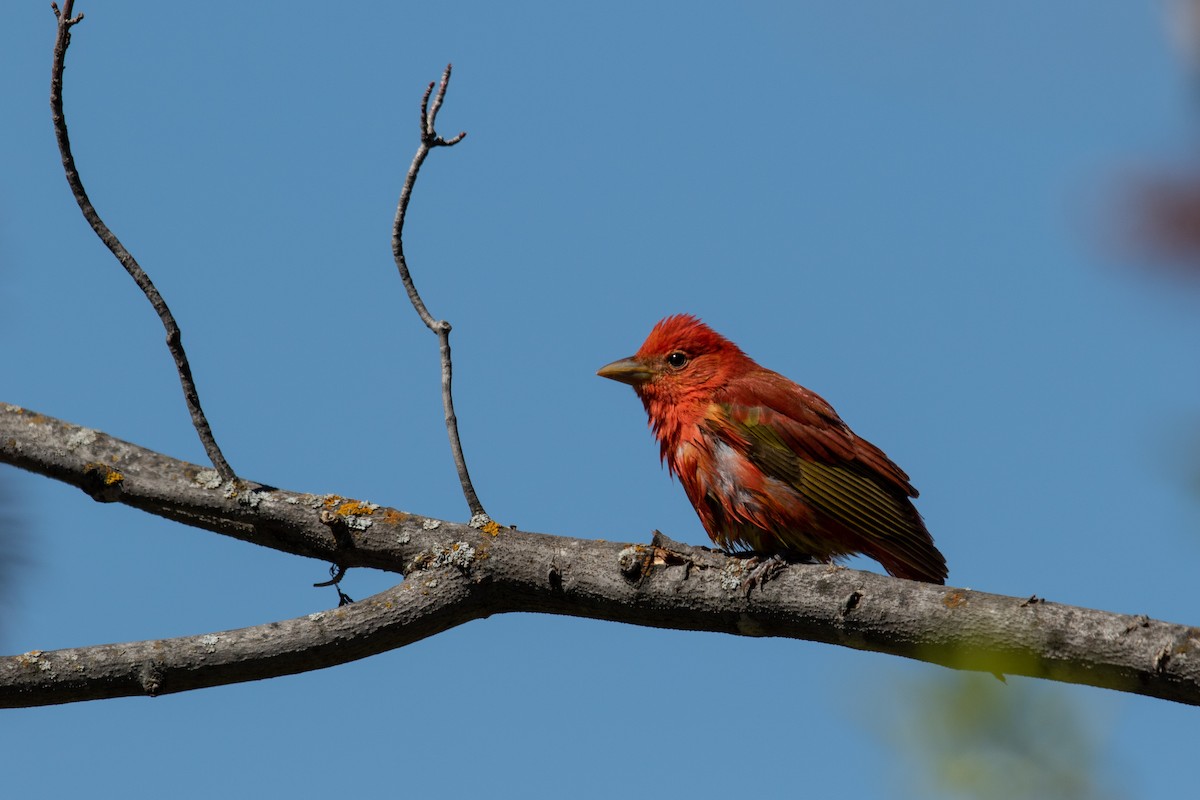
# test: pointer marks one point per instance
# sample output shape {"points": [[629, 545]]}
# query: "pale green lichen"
{"points": [[459, 554], [83, 436], [731, 576], [34, 659], [431, 524], [314, 500], [207, 479], [250, 499], [359, 523]]}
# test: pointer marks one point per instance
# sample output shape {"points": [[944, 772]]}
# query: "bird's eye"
{"points": [[678, 359]]}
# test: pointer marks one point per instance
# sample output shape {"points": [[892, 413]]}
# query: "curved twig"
{"points": [[464, 573], [336, 573], [441, 328], [174, 336]]}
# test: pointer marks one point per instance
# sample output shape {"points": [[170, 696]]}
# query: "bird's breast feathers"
{"points": [[737, 502]]}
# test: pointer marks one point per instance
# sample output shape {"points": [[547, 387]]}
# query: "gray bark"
{"points": [[453, 573]]}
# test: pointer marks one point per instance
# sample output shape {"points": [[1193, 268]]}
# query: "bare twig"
{"points": [[461, 573], [340, 529], [441, 328], [336, 573], [174, 337]]}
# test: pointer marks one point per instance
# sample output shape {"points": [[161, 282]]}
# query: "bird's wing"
{"points": [[807, 425], [848, 480]]}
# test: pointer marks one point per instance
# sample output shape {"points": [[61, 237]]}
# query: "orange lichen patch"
{"points": [[954, 600], [356, 508], [32, 660], [348, 508], [107, 473], [492, 528], [394, 517]]}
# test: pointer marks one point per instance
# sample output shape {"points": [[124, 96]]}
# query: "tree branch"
{"points": [[174, 337], [401, 615], [441, 328], [455, 573]]}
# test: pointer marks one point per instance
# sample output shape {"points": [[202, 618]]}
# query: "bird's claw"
{"points": [[763, 571]]}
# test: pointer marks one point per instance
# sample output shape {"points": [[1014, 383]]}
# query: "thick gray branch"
{"points": [[404, 614], [455, 573]]}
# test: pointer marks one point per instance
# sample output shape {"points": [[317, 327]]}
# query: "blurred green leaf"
{"points": [[968, 735]]}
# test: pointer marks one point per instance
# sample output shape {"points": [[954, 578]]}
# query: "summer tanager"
{"points": [[769, 465]]}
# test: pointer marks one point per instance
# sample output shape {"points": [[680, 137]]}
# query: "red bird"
{"points": [[769, 466]]}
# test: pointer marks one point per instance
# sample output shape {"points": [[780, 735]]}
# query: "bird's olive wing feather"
{"points": [[808, 426], [822, 464]]}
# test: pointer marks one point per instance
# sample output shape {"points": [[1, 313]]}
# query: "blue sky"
{"points": [[908, 209]]}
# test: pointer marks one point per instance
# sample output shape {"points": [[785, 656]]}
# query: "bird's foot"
{"points": [[763, 570]]}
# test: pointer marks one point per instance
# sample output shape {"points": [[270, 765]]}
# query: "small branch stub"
{"points": [[103, 483]]}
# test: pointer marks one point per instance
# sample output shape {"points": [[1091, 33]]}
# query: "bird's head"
{"points": [[682, 359]]}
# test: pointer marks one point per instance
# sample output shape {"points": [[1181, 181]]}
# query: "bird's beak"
{"points": [[627, 370]]}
